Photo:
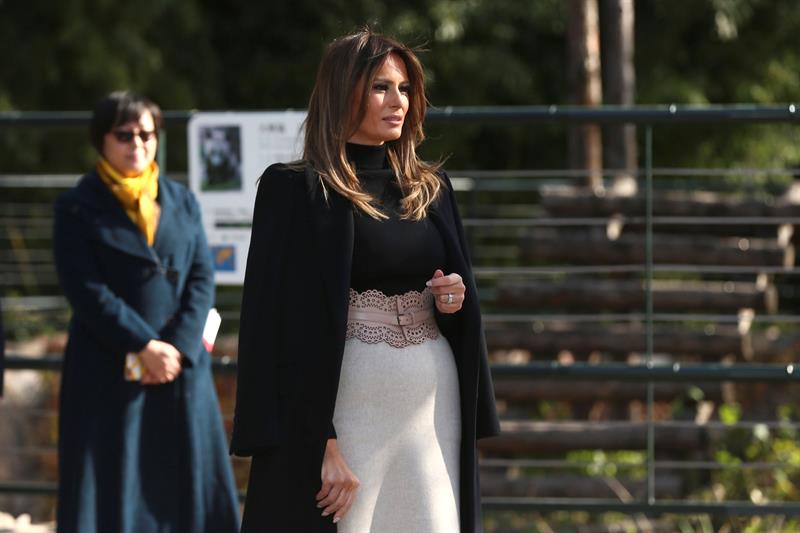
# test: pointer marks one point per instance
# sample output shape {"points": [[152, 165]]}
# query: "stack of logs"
{"points": [[549, 419]]}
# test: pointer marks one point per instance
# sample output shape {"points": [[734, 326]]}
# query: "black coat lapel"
{"points": [[333, 228]]}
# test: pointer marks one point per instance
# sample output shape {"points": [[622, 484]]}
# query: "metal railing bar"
{"points": [[38, 282], [712, 465], [72, 118], [674, 424], [617, 114], [47, 488], [659, 464], [33, 233], [551, 464], [36, 255], [39, 221], [700, 172], [769, 424], [35, 220], [658, 507], [635, 317], [657, 220], [33, 181], [516, 173], [717, 172], [37, 268], [40, 304], [687, 373], [32, 303], [676, 372], [634, 269], [467, 178], [787, 112]]}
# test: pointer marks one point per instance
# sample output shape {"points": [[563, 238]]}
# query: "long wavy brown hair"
{"points": [[348, 68]]}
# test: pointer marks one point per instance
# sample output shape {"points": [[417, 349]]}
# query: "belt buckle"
{"points": [[405, 319]]}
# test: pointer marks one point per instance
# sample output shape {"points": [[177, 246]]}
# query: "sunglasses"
{"points": [[126, 136]]}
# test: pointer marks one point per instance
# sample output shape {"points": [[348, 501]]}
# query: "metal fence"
{"points": [[473, 186]]}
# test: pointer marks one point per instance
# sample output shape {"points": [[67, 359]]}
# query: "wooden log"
{"points": [[623, 339], [593, 247], [521, 392], [530, 438], [498, 484], [591, 295], [635, 524], [489, 234], [571, 201]]}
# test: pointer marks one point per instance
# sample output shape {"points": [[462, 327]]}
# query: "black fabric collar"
{"points": [[366, 157]]}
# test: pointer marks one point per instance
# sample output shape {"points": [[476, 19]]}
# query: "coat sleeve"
{"points": [[487, 423], [185, 330], [112, 321], [256, 420]]}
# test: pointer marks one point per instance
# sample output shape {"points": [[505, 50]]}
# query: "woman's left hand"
{"points": [[448, 291]]}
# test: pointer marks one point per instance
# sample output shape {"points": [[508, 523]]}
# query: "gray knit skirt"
{"points": [[398, 423]]}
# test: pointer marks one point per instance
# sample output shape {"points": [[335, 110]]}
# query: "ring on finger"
{"points": [[449, 298]]}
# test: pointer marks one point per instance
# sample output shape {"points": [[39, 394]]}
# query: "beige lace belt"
{"points": [[399, 321]]}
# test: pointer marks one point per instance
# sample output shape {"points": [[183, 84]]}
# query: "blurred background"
{"points": [[660, 230]]}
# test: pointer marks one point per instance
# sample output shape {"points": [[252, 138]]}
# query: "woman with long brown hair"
{"points": [[363, 378]]}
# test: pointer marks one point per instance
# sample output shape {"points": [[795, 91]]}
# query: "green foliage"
{"points": [[610, 464], [198, 54]]}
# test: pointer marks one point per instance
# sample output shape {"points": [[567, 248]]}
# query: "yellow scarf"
{"points": [[137, 194]]}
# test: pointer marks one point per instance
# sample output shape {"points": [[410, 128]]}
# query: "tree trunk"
{"points": [[619, 81], [585, 144]]}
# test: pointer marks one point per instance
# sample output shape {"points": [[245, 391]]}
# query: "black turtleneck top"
{"points": [[393, 255]]}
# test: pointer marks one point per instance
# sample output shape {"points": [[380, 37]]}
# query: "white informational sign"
{"points": [[228, 152]]}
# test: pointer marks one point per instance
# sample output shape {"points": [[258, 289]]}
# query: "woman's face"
{"points": [[131, 147], [387, 104]]}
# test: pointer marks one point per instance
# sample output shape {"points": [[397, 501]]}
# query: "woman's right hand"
{"points": [[162, 362], [339, 484]]}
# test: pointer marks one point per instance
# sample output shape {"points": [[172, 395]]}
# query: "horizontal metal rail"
{"points": [[631, 269], [659, 507], [762, 318], [43, 488], [47, 222], [648, 114], [505, 318], [492, 503], [604, 221], [676, 172], [596, 506], [39, 488], [686, 373], [571, 464]]}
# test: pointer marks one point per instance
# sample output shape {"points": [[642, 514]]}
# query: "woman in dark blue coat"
{"points": [[141, 442]]}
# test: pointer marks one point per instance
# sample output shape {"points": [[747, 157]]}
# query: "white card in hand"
{"points": [[211, 329]]}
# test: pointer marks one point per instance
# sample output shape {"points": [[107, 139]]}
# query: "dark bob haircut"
{"points": [[116, 109]]}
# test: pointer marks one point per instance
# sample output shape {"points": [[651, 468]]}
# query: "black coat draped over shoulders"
{"points": [[291, 343]]}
